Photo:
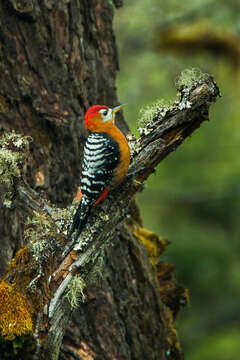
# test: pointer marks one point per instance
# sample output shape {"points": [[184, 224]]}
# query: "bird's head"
{"points": [[99, 115]]}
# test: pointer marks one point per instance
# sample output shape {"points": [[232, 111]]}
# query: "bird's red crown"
{"points": [[92, 111]]}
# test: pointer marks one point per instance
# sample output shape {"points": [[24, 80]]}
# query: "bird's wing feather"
{"points": [[100, 158]]}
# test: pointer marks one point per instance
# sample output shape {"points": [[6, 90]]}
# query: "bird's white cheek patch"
{"points": [[108, 117]]}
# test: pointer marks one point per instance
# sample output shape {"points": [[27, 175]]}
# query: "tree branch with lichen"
{"points": [[52, 271]]}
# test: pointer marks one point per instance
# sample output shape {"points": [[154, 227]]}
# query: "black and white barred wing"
{"points": [[100, 158]]}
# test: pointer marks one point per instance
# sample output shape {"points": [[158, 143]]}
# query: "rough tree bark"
{"points": [[57, 58]]}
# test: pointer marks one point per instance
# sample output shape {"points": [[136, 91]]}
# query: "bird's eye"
{"points": [[105, 112]]}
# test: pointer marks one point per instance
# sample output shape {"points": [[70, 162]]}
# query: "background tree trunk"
{"points": [[56, 59]]}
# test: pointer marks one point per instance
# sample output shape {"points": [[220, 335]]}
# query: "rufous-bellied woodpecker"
{"points": [[106, 158]]}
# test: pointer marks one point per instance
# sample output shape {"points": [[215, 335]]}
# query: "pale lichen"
{"points": [[13, 153], [148, 113], [104, 216], [7, 202], [75, 291], [187, 80], [9, 166], [132, 142], [159, 109], [37, 233], [190, 77], [97, 271], [14, 140], [40, 233], [184, 105]]}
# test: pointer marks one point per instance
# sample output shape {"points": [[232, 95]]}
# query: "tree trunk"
{"points": [[57, 58]]}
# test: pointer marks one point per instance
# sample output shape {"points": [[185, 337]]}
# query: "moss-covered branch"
{"points": [[51, 269]]}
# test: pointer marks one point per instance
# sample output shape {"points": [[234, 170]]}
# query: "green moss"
{"points": [[75, 291], [15, 316], [20, 258], [190, 77], [154, 244]]}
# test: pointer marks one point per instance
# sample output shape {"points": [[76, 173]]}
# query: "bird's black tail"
{"points": [[80, 217]]}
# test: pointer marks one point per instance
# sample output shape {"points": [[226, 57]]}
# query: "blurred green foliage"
{"points": [[194, 197]]}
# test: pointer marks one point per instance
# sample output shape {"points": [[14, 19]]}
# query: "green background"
{"points": [[193, 198]]}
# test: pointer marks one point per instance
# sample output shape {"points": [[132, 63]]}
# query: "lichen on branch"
{"points": [[14, 149]]}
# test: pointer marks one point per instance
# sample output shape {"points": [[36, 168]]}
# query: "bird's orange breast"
{"points": [[124, 151], [124, 158]]}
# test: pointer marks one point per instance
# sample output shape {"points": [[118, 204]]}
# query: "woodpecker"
{"points": [[106, 158]]}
